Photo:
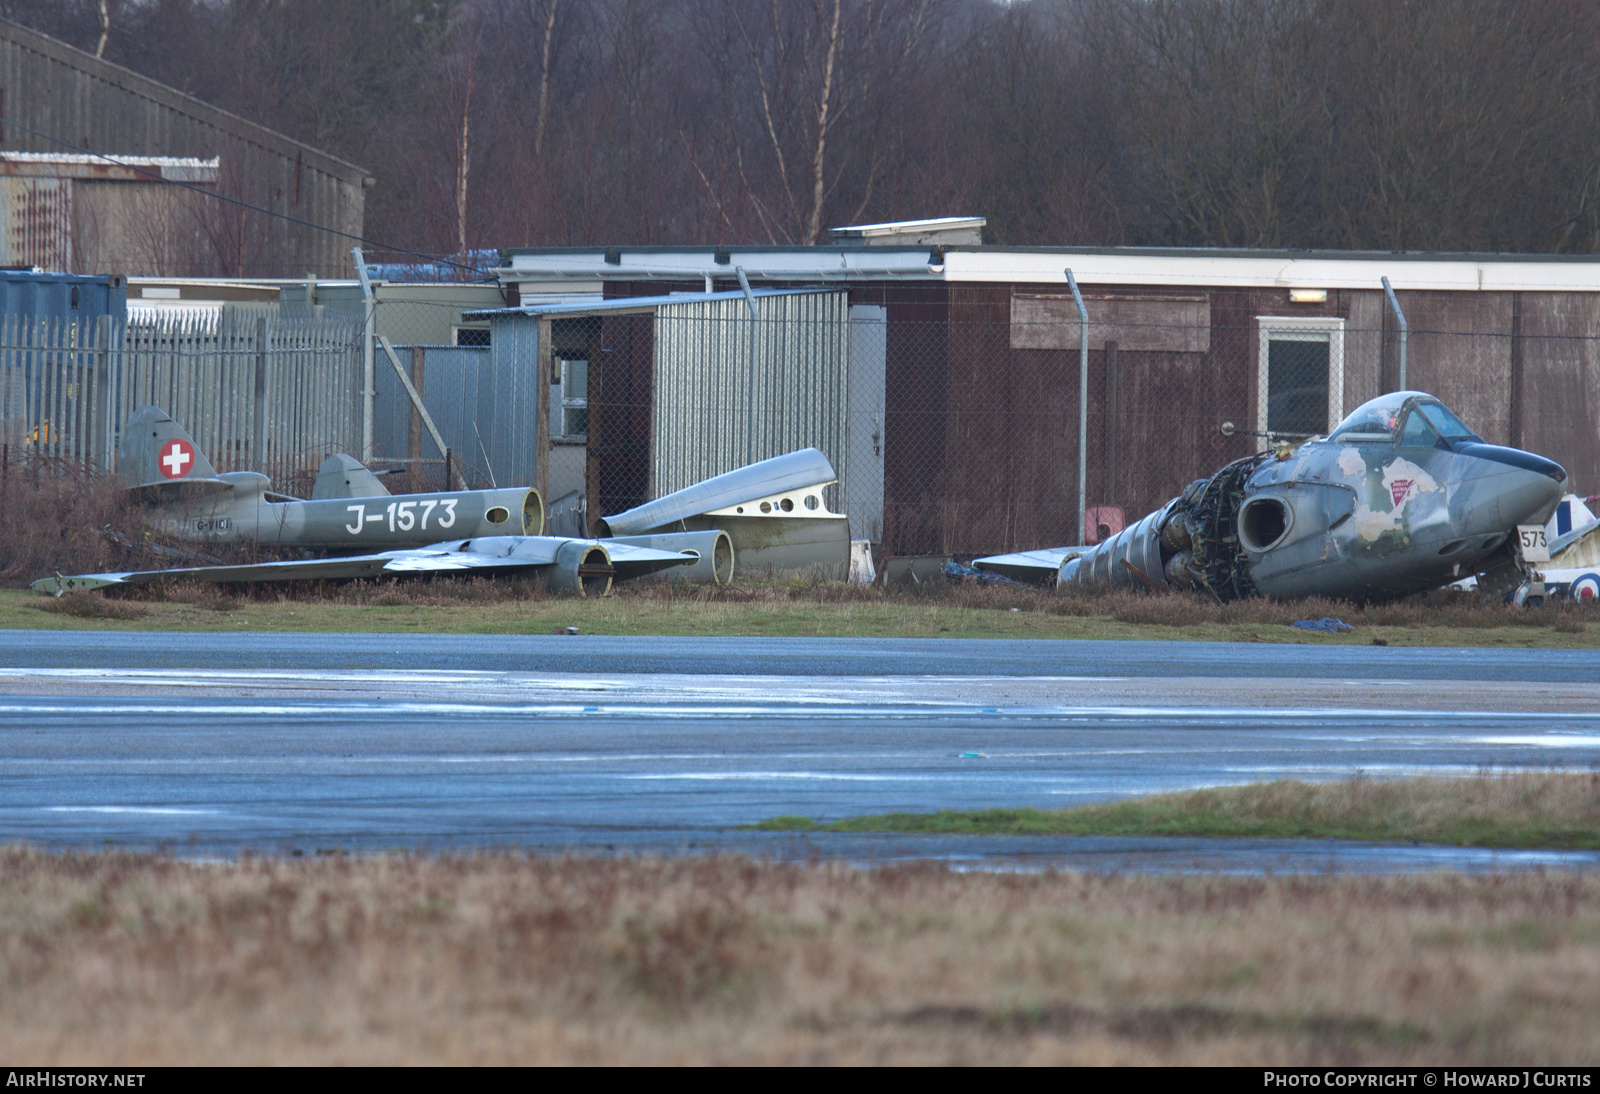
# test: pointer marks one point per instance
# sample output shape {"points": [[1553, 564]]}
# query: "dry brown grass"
{"points": [[90, 606], [57, 516], [1138, 607], [54, 517], [145, 960]]}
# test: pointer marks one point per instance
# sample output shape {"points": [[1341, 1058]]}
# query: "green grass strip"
{"points": [[1539, 809]]}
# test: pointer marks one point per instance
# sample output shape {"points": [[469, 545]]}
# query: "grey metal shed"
{"points": [[727, 378]]}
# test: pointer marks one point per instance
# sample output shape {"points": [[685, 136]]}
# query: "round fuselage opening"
{"points": [[532, 514], [594, 573], [722, 560], [1263, 522]]}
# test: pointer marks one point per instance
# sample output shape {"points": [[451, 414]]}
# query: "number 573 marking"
{"points": [[1534, 546], [403, 515]]}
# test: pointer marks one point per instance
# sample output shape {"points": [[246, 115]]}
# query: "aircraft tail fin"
{"points": [[157, 451], [344, 476]]}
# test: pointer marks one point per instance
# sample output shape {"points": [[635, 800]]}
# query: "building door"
{"points": [[1300, 375]]}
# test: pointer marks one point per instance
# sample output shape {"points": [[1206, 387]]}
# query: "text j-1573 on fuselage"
{"points": [[349, 509]]}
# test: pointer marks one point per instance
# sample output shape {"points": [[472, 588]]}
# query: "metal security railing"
{"points": [[256, 390]]}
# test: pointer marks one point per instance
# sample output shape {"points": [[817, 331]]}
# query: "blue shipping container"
{"points": [[64, 297]]}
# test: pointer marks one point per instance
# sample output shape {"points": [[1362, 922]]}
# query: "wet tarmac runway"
{"points": [[212, 744]]}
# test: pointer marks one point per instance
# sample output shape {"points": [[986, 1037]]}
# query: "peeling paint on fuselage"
{"points": [[1389, 507], [1390, 498], [1408, 529]]}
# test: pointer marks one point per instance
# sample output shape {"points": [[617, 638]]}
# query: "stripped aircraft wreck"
{"points": [[772, 511], [768, 516], [184, 497], [1402, 497]]}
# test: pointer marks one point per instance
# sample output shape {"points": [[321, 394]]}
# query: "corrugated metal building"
{"points": [[979, 410], [50, 90], [648, 395]]}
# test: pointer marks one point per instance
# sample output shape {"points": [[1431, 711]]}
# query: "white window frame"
{"points": [[561, 403], [1300, 328]]}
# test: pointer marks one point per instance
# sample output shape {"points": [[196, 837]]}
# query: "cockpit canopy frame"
{"points": [[1407, 419]]}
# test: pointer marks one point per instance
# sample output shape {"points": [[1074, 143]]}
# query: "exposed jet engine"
{"points": [[1401, 497]]}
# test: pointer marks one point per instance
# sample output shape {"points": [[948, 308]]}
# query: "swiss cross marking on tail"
{"points": [[177, 459], [1399, 488]]}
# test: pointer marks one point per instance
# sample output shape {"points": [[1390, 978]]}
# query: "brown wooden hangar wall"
{"points": [[980, 432], [71, 95]]}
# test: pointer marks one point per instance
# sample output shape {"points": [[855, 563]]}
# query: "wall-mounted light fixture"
{"points": [[1308, 296]]}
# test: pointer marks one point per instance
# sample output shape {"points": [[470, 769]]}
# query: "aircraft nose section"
{"points": [[1516, 457], [1533, 496], [1513, 487]]}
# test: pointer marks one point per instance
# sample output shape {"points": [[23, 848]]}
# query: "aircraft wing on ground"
{"points": [[1040, 567], [587, 567]]}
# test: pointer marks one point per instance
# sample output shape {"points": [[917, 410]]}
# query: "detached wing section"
{"points": [[772, 512], [807, 467], [1040, 567], [587, 567]]}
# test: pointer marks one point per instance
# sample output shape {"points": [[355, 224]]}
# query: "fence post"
{"points": [[369, 361], [750, 409], [544, 354], [258, 417], [100, 409], [1400, 318], [414, 434], [1083, 409], [1109, 481]]}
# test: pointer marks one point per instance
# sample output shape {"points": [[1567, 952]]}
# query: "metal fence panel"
{"points": [[459, 386], [731, 389], [257, 390], [508, 405]]}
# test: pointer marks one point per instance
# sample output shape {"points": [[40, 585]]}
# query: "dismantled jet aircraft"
{"points": [[768, 516], [1401, 497], [349, 508], [772, 512]]}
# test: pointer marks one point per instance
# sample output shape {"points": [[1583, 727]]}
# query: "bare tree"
{"points": [[1439, 124], [797, 82], [544, 76]]}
